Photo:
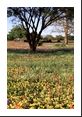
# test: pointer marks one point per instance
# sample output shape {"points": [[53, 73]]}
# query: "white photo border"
{"points": [[77, 58]]}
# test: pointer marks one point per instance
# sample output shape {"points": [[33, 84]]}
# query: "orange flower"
{"points": [[71, 106], [17, 106]]}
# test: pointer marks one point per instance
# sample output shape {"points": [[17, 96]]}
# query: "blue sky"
{"points": [[9, 25], [47, 31]]}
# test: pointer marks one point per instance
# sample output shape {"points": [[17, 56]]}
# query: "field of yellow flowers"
{"points": [[40, 80]]}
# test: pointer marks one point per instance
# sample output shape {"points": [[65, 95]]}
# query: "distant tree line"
{"points": [[19, 33]]}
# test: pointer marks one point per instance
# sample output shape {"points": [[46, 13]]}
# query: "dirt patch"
{"points": [[17, 45], [20, 45], [25, 45]]}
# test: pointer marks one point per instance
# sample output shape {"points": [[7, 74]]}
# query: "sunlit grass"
{"points": [[40, 80]]}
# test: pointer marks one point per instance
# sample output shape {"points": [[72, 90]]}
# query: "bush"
{"points": [[40, 43], [70, 37], [59, 38], [10, 37], [16, 32], [48, 38]]}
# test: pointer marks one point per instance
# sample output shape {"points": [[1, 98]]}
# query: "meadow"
{"points": [[40, 80]]}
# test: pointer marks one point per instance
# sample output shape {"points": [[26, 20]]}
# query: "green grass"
{"points": [[40, 80]]}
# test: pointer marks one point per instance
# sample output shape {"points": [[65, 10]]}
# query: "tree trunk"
{"points": [[66, 38], [31, 37], [33, 47], [66, 32]]}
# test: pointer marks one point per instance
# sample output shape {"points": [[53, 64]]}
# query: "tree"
{"points": [[35, 19], [66, 24], [16, 32], [68, 29]]}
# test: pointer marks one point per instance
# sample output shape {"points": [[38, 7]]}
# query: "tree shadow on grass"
{"points": [[48, 52]]}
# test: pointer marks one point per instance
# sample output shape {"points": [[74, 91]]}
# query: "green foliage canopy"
{"points": [[16, 32]]}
